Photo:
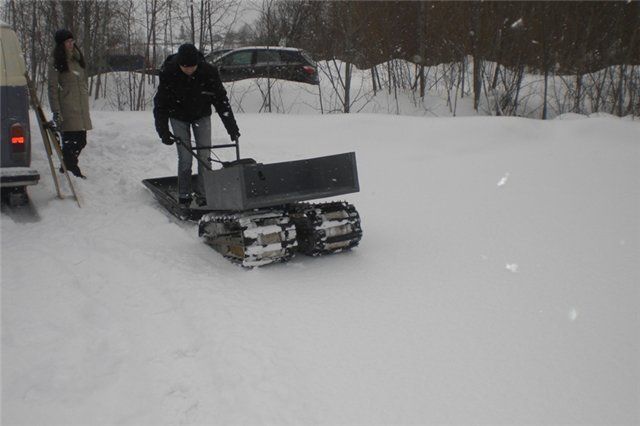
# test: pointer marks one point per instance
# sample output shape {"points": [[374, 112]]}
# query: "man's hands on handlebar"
{"points": [[169, 139]]}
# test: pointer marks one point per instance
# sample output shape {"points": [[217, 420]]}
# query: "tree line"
{"points": [[570, 37], [487, 47], [126, 28], [579, 38]]}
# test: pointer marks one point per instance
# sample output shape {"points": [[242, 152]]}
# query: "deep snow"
{"points": [[498, 281]]}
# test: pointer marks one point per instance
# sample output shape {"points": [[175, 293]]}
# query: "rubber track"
{"points": [[326, 228], [251, 239]]}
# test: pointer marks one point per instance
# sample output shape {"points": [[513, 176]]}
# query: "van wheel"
{"points": [[16, 196]]}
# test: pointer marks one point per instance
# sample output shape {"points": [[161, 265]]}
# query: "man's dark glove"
{"points": [[57, 120], [235, 136], [169, 139]]}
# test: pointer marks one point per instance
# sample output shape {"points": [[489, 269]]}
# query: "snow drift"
{"points": [[496, 282]]}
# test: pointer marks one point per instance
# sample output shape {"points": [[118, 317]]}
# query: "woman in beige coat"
{"points": [[69, 98]]}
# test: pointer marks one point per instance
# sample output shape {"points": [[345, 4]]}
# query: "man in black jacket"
{"points": [[188, 87]]}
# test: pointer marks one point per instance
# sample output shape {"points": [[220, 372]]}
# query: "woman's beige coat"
{"points": [[69, 95]]}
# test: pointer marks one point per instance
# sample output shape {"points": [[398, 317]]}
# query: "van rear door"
{"points": [[15, 133]]}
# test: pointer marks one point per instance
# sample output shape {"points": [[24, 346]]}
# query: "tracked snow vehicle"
{"points": [[256, 214]]}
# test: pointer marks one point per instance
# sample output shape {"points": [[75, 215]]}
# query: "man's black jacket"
{"points": [[188, 98]]}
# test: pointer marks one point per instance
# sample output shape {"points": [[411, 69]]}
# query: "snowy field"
{"points": [[442, 98], [497, 282]]}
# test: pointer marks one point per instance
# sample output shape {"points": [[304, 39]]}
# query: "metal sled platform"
{"points": [[243, 185], [165, 189]]}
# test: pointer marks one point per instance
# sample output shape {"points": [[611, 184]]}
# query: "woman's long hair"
{"points": [[60, 58]]}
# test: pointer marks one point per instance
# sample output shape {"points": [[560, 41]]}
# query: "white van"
{"points": [[15, 134]]}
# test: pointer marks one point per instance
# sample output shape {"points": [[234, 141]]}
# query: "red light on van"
{"points": [[309, 70], [17, 137]]}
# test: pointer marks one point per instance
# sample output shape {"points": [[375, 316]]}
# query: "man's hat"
{"points": [[188, 55], [62, 35]]}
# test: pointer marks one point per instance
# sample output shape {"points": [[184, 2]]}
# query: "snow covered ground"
{"points": [[442, 97], [497, 282]]}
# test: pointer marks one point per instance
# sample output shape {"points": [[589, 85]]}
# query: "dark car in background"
{"points": [[285, 63]]}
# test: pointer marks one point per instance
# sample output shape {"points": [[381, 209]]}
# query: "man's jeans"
{"points": [[202, 135]]}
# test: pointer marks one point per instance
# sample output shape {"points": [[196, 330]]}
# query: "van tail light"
{"points": [[17, 138], [309, 69]]}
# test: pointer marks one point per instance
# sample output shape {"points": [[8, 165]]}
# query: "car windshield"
{"points": [[216, 54], [237, 58]]}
